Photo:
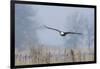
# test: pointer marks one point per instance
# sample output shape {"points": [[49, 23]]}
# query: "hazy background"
{"points": [[29, 29]]}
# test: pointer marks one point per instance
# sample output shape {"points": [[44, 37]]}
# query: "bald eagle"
{"points": [[61, 32]]}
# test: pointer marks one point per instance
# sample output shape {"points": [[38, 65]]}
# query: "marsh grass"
{"points": [[47, 55]]}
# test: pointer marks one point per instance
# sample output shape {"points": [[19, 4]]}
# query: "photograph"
{"points": [[47, 33]]}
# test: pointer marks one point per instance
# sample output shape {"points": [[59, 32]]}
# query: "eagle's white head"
{"points": [[61, 33]]}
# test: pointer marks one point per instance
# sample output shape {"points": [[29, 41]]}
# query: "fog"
{"points": [[30, 30]]}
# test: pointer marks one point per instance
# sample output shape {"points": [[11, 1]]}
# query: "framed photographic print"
{"points": [[50, 34]]}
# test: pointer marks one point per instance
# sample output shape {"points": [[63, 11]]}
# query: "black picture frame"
{"points": [[12, 34]]}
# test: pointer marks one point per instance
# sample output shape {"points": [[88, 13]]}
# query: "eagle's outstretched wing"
{"points": [[72, 33], [51, 28]]}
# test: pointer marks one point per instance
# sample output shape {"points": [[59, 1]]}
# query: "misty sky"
{"points": [[30, 21]]}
